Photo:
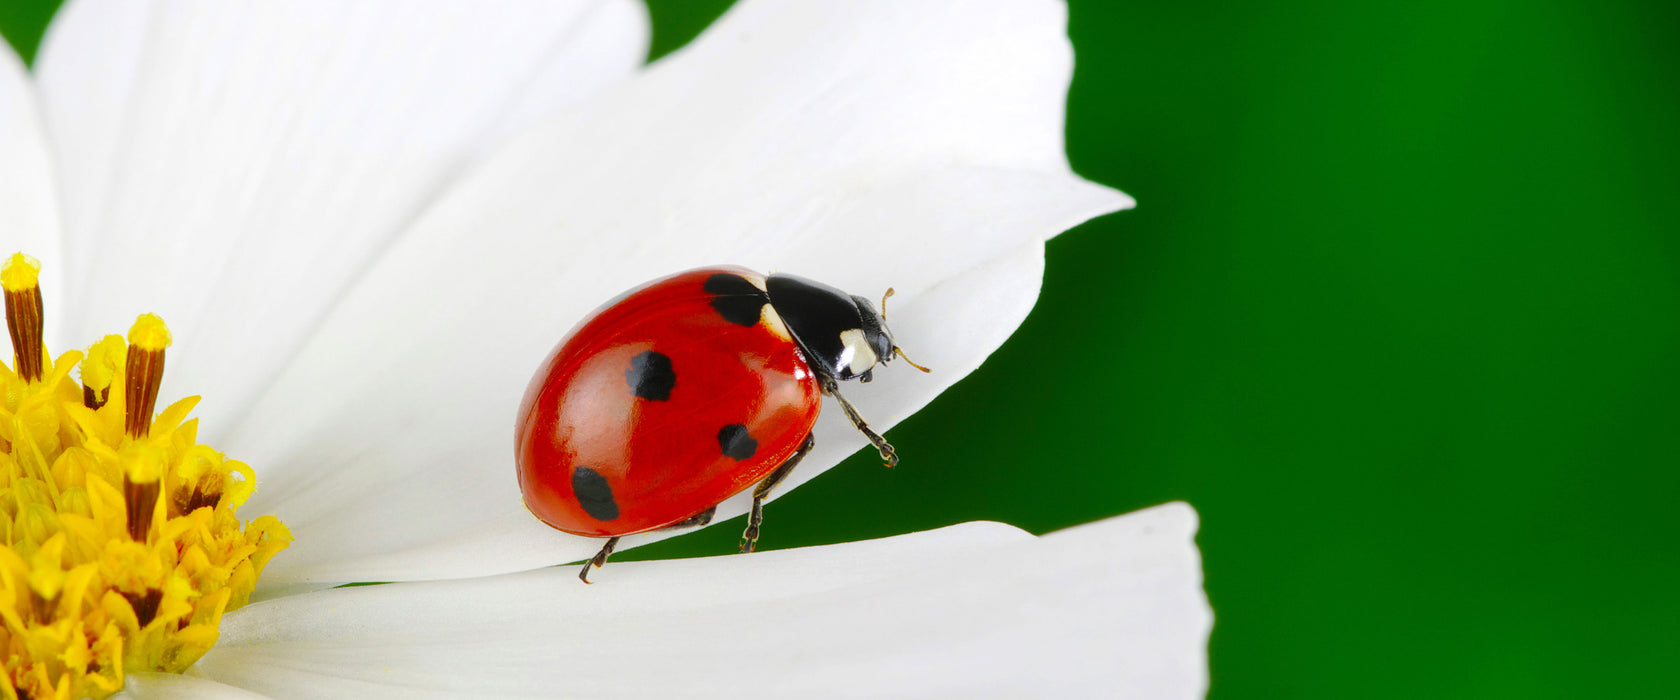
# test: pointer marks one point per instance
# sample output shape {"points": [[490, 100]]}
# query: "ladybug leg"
{"points": [[749, 539], [600, 559], [888, 454]]}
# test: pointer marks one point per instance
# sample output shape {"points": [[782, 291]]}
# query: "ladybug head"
{"points": [[871, 342], [842, 335], [879, 337]]}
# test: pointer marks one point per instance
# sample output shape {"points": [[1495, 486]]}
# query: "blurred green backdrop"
{"points": [[1397, 312]]}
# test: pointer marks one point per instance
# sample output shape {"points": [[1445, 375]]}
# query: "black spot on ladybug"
{"points": [[594, 494], [737, 444], [650, 376], [736, 299]]}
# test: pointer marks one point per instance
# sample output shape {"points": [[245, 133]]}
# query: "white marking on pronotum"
{"points": [[856, 354]]}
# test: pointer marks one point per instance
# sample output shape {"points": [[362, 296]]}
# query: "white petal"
{"points": [[1111, 609], [28, 203], [458, 512], [233, 166], [169, 686], [601, 49]]}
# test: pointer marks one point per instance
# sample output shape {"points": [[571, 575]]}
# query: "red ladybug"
{"points": [[684, 392]]}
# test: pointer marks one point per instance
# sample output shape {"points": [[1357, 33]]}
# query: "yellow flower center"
{"points": [[122, 549]]}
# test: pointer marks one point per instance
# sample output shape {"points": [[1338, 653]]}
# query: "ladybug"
{"points": [[685, 391]]}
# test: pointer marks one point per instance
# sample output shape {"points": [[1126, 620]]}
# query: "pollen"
{"points": [[122, 547]]}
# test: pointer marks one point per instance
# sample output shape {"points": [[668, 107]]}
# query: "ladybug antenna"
{"points": [[900, 352], [896, 349]]}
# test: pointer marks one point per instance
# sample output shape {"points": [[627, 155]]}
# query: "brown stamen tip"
{"points": [[95, 399], [145, 375], [206, 493], [144, 372], [140, 499], [23, 319], [45, 609], [145, 604]]}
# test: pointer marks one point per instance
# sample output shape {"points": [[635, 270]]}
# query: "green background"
{"points": [[1397, 313]]}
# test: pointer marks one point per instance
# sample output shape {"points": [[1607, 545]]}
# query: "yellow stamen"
{"points": [[146, 342], [21, 278], [120, 547], [103, 360], [142, 471]]}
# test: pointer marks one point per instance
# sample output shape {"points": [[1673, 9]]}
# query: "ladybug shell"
{"points": [[663, 403]]}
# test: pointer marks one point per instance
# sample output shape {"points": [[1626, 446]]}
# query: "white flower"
{"points": [[366, 224]]}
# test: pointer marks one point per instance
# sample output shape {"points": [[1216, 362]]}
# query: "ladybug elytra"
{"points": [[684, 392]]}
